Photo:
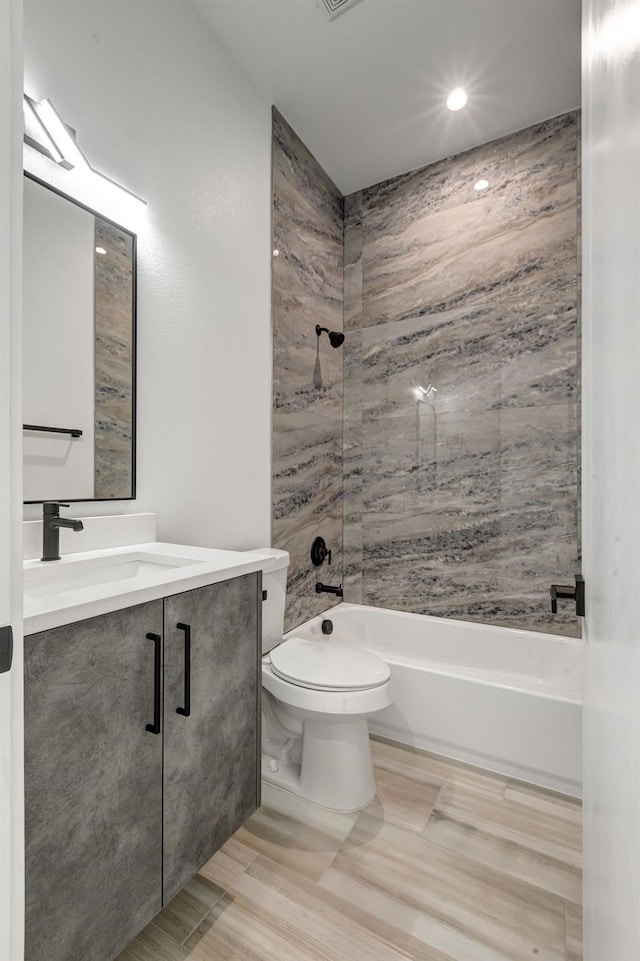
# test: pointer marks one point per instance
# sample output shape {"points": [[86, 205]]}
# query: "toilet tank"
{"points": [[274, 582]]}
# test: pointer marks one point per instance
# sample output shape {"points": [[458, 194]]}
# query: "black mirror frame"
{"points": [[134, 347]]}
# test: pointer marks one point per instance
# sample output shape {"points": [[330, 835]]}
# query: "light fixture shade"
{"points": [[60, 134], [36, 133]]}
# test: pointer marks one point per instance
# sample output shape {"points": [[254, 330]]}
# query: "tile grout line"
{"points": [[215, 903]]}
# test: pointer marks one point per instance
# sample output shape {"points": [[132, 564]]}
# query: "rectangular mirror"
{"points": [[79, 351]]}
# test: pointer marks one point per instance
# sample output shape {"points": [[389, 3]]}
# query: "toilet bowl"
{"points": [[316, 699]]}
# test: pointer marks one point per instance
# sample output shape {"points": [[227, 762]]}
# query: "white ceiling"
{"points": [[366, 91]]}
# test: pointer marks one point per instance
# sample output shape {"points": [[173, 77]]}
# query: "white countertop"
{"points": [[149, 571]]}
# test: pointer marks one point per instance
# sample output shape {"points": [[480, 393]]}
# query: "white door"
{"points": [[611, 462], [11, 802]]}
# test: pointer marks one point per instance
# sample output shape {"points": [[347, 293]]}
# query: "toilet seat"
{"points": [[327, 666]]}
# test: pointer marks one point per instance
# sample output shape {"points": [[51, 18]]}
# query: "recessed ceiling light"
{"points": [[457, 99], [481, 185], [100, 250]]}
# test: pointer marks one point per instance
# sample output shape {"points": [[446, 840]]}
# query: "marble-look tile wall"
{"points": [[307, 371], [113, 362], [464, 503]]}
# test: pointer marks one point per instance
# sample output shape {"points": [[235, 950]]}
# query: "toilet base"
{"points": [[336, 770]]}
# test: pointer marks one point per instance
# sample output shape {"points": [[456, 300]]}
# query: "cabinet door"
{"points": [[211, 749], [93, 786]]}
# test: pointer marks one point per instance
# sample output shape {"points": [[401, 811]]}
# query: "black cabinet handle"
{"points": [[186, 710], [157, 683]]}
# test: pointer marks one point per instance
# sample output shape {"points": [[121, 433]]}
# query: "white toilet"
{"points": [[316, 698]]}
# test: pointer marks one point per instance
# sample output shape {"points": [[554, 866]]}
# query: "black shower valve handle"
{"points": [[320, 552]]}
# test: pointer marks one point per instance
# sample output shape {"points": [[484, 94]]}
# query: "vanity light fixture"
{"points": [[481, 185], [47, 133], [457, 99], [60, 134], [36, 133]]}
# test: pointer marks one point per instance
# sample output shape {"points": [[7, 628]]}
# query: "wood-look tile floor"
{"points": [[446, 864]]}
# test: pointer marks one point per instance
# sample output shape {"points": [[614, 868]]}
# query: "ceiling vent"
{"points": [[333, 8]]}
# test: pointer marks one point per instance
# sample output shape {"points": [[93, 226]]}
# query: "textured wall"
{"points": [[204, 330], [113, 348], [307, 371], [465, 505]]}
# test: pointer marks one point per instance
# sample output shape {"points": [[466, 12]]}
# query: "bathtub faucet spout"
{"points": [[327, 589]]}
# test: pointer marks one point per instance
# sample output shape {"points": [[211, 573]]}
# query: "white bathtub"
{"points": [[505, 700]]}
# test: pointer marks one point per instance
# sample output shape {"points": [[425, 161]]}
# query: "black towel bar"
{"points": [[73, 431]]}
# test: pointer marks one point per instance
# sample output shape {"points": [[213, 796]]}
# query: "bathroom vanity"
{"points": [[141, 735]]}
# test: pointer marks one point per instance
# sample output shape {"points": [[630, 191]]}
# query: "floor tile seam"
{"points": [[539, 820], [467, 819], [508, 875], [503, 882], [571, 820], [165, 935], [211, 906], [411, 833], [563, 809], [324, 842], [346, 910], [544, 793], [457, 925], [411, 829], [363, 914], [438, 760], [239, 937], [545, 860], [313, 948], [414, 774]]}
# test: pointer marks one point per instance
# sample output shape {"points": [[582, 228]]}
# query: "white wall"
{"points": [[58, 334], [159, 106], [611, 472]]}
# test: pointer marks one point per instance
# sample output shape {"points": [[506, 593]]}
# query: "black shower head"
{"points": [[336, 337]]}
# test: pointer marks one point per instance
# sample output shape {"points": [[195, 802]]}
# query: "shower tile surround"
{"points": [[113, 362], [464, 505], [307, 371]]}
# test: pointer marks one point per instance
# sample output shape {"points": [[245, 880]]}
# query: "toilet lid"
{"points": [[327, 665]]}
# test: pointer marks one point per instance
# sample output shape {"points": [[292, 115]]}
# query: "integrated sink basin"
{"points": [[87, 584], [77, 575]]}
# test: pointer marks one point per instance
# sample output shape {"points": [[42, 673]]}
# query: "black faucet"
{"points": [[327, 589], [51, 524]]}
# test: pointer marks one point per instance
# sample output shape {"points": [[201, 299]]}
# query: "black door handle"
{"points": [[6, 648], [157, 683], [575, 594], [186, 710]]}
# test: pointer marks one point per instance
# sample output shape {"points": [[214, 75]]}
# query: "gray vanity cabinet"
{"points": [[92, 771], [107, 755], [210, 722]]}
